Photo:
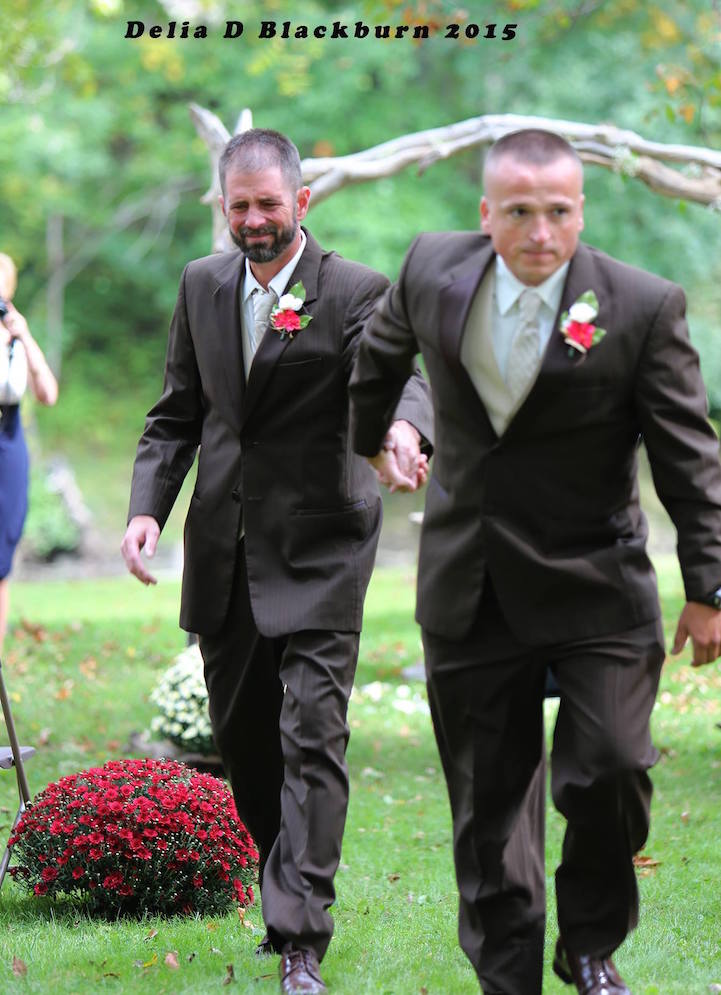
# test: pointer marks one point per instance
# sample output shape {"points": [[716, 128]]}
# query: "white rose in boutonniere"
{"points": [[580, 311], [284, 317], [577, 327]]}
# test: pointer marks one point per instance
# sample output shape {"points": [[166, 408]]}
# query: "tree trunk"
{"points": [[55, 293]]}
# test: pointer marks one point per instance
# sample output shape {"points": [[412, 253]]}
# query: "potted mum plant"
{"points": [[135, 837]]}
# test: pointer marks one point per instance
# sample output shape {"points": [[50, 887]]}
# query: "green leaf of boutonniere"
{"points": [[297, 290]]}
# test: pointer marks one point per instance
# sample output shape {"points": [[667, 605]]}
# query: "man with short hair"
{"points": [[283, 523], [548, 362]]}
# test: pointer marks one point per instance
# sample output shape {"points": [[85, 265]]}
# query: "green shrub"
{"points": [[50, 528]]}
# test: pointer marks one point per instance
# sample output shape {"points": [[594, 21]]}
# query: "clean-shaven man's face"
{"points": [[534, 214]]}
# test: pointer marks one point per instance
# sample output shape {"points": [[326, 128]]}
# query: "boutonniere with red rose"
{"points": [[577, 328], [284, 317]]}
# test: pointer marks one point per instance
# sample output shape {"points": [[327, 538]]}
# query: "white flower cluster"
{"points": [[625, 161], [182, 699], [401, 697]]}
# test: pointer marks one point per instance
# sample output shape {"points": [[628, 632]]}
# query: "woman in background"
{"points": [[22, 364]]}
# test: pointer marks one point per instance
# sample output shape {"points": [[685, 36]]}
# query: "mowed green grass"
{"points": [[80, 662]]}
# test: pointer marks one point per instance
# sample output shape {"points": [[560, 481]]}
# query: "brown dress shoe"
{"points": [[590, 975], [299, 973]]}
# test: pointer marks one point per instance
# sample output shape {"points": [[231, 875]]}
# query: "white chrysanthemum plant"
{"points": [[182, 700]]}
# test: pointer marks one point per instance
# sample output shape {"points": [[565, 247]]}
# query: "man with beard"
{"points": [[283, 523]]}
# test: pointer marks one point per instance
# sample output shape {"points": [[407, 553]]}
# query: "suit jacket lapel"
{"points": [[271, 346], [225, 316], [582, 276], [455, 301]]}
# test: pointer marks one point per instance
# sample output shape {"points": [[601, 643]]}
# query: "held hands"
{"points": [[400, 465], [142, 532], [703, 624]]}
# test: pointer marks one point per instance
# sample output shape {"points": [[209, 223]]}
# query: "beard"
{"points": [[258, 252]]}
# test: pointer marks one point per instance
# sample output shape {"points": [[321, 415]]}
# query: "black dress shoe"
{"points": [[265, 948], [299, 973], [590, 975]]}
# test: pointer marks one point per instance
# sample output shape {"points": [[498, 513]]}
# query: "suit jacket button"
{"points": [[235, 494]]}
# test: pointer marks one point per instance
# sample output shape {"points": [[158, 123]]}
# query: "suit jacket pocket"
{"points": [[322, 526], [301, 365], [343, 510]]}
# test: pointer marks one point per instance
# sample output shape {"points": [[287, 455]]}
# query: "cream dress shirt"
{"points": [[492, 322]]}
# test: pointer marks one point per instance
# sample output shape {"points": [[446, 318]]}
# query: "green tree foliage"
{"points": [[95, 130]]}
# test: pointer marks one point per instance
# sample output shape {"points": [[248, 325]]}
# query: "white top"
{"points": [[13, 373]]}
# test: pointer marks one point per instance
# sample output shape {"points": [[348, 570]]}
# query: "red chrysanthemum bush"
{"points": [[134, 837]]}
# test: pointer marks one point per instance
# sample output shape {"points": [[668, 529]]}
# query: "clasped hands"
{"points": [[400, 465]]}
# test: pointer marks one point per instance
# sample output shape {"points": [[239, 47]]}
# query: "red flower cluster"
{"points": [[137, 836], [579, 331], [287, 321]]}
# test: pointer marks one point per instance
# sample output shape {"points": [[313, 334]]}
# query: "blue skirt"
{"points": [[13, 484]]}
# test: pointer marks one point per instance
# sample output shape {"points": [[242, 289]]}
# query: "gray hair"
{"points": [[257, 149]]}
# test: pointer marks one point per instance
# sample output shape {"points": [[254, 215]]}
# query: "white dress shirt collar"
{"points": [[509, 288]]}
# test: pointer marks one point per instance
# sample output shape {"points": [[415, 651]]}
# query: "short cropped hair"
{"points": [[533, 146], [259, 148]]}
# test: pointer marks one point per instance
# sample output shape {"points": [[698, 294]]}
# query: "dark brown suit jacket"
{"points": [[550, 509], [276, 450]]}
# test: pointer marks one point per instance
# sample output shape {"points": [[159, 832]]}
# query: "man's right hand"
{"points": [[142, 532]]}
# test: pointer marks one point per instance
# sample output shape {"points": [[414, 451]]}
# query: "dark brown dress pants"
{"points": [[486, 698], [278, 712]]}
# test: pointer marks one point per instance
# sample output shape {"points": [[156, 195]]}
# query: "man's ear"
{"points": [[485, 213], [581, 222], [221, 201], [302, 201]]}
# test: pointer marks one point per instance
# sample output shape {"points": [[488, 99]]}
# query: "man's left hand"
{"points": [[400, 465], [703, 624]]}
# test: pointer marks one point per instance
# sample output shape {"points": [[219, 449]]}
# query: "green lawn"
{"points": [[80, 663]]}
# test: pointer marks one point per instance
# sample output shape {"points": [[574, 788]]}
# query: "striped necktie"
{"points": [[524, 354], [263, 302]]}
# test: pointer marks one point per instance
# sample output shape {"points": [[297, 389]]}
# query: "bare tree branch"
{"points": [[216, 136], [158, 204], [685, 172], [603, 144]]}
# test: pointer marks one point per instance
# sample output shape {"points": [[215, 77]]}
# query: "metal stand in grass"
{"points": [[13, 756]]}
